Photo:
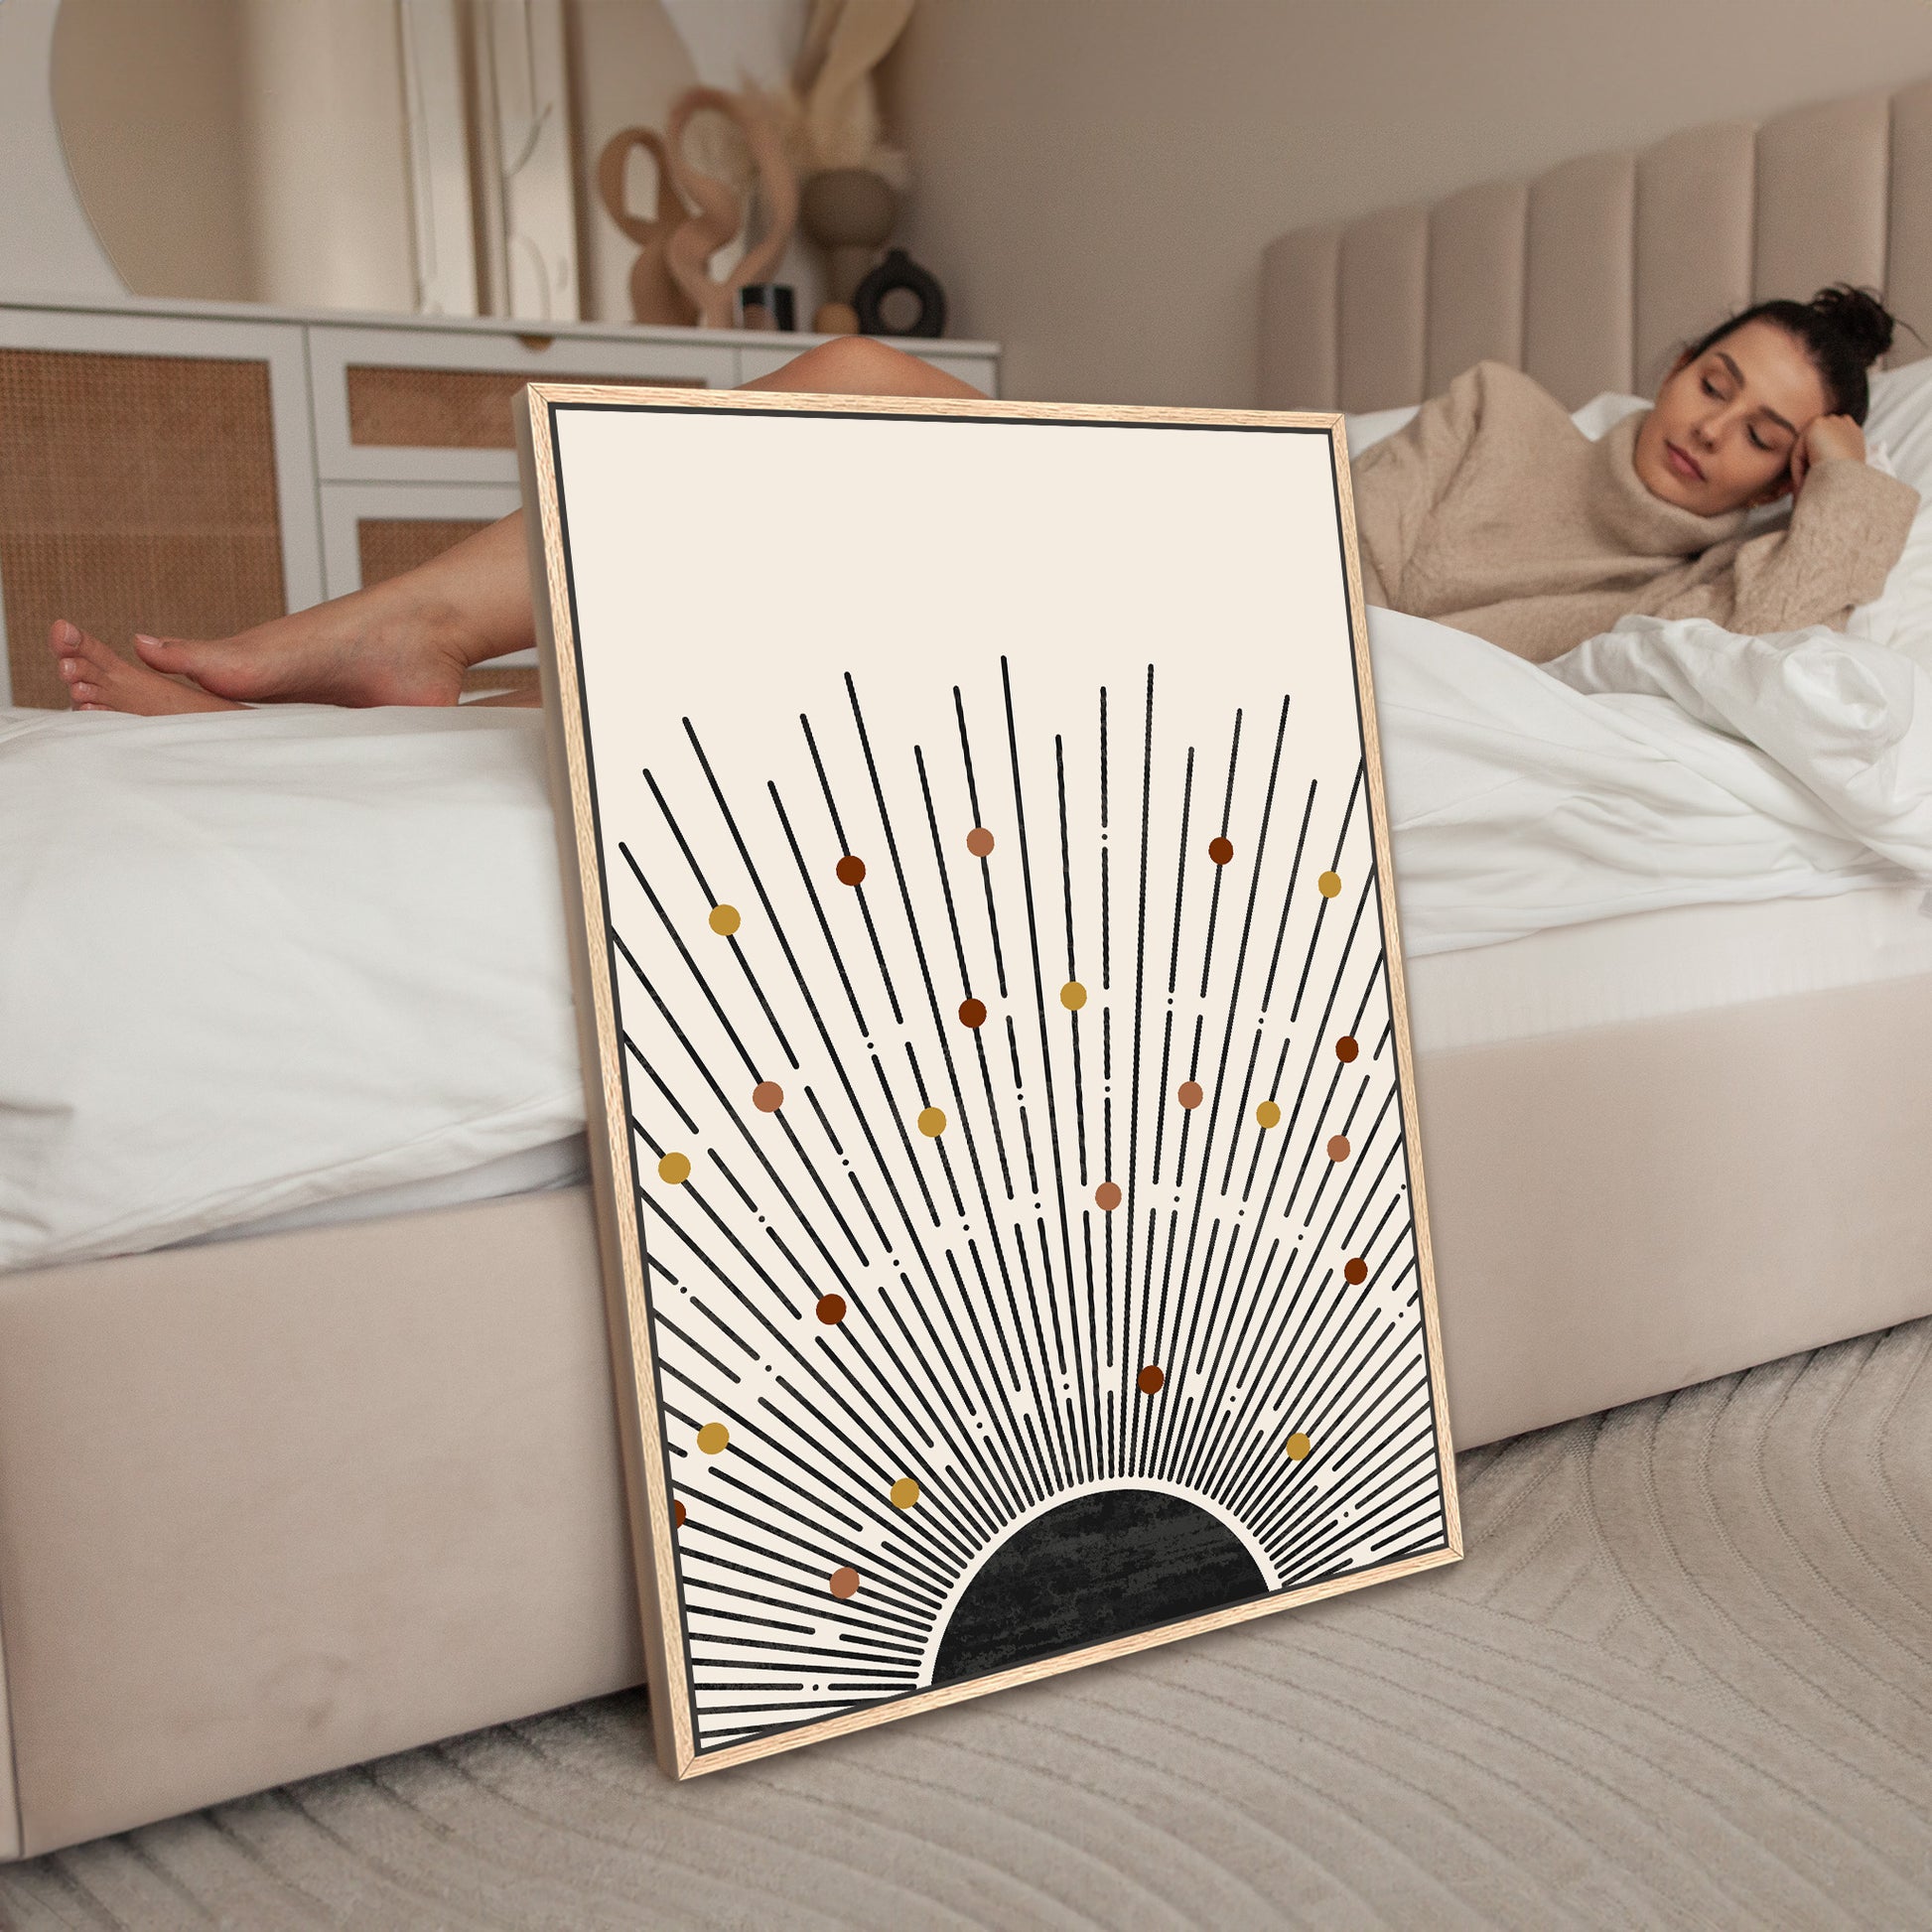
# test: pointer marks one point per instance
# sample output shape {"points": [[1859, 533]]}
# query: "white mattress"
{"points": [[1678, 959], [1641, 966]]}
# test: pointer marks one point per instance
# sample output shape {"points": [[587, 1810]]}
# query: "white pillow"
{"points": [[1899, 433]]}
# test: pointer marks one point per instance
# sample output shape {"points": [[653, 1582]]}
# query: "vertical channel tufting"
{"points": [[1614, 258], [1694, 239], [1578, 316], [1821, 197], [1299, 304], [1476, 281], [1909, 261], [1384, 297]]}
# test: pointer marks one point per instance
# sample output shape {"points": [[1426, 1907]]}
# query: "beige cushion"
{"points": [[1693, 241], [1578, 306], [1823, 175], [1476, 281], [1384, 276]]}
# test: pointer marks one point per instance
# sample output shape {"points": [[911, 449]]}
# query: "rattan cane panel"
{"points": [[137, 492], [453, 409], [386, 546]]}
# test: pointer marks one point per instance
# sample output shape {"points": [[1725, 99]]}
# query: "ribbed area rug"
{"points": [[1683, 1678]]}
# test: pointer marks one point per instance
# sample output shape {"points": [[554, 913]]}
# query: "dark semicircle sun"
{"points": [[1101, 1566]]}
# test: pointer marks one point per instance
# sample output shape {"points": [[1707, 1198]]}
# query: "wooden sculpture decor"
{"points": [[720, 208], [654, 296]]}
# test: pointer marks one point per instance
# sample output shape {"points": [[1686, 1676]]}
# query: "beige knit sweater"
{"points": [[1494, 512]]}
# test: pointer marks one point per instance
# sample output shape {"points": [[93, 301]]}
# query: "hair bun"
{"points": [[1858, 317]]}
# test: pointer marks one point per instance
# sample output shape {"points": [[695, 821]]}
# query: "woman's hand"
{"points": [[1825, 437]]}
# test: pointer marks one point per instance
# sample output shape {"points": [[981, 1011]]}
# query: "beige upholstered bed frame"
{"points": [[1590, 276], [278, 1505]]}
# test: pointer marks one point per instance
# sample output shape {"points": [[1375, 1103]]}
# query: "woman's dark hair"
{"points": [[1844, 330]]}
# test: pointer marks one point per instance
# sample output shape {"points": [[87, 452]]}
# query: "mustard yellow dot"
{"points": [[904, 1492], [933, 1123], [1329, 885], [724, 920], [1298, 1446], [1073, 996], [674, 1167], [713, 1437], [1268, 1114]]}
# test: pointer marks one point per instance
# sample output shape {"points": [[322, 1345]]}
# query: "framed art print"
{"points": [[1001, 1097]]}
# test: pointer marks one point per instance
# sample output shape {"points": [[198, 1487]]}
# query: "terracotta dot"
{"points": [[1345, 1049], [979, 842], [1151, 1380], [1329, 885], [1107, 1196], [1073, 996], [1190, 1095], [830, 1310], [1220, 851], [674, 1167], [1339, 1147], [724, 920], [904, 1493], [768, 1096], [1297, 1446], [677, 1514], [844, 1583], [1356, 1270], [713, 1437], [850, 871], [972, 1013], [933, 1123], [1268, 1114]]}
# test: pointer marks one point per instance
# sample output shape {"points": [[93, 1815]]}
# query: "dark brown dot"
{"points": [[677, 1514], [852, 872], [979, 842], [1355, 1272], [1190, 1095], [1220, 851], [1345, 1049], [1339, 1147], [972, 1013], [1107, 1195], [768, 1096], [830, 1310], [1151, 1380], [844, 1583]]}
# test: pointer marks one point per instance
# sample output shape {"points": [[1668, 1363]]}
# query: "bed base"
{"points": [[275, 1506]]}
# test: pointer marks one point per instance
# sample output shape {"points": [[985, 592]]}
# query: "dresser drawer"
{"points": [[428, 406]]}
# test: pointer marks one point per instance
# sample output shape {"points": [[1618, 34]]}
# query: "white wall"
{"points": [[1096, 182]]}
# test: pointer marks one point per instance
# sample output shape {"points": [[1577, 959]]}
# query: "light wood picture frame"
{"points": [[1001, 1101]]}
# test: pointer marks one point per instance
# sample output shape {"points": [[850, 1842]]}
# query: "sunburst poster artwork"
{"points": [[1000, 1085]]}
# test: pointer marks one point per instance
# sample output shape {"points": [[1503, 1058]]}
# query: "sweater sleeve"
{"points": [[1846, 530], [1399, 481]]}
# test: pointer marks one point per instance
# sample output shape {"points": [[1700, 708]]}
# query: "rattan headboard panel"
{"points": [[1590, 275]]}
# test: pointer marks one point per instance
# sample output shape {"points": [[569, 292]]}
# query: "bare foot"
{"points": [[344, 652], [100, 680]]}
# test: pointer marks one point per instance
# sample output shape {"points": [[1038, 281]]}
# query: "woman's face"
{"points": [[1722, 433]]}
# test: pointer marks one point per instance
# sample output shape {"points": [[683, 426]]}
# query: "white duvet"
{"points": [[253, 962]]}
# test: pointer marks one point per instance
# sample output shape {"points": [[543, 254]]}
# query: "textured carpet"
{"points": [[1684, 1677]]}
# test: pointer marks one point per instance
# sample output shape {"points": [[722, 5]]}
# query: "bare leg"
{"points": [[409, 640]]}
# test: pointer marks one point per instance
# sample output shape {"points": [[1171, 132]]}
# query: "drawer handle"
{"points": [[537, 343]]}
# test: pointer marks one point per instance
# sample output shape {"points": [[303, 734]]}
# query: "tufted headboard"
{"points": [[1592, 274]]}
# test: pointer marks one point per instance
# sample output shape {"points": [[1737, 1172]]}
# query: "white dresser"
{"points": [[191, 467]]}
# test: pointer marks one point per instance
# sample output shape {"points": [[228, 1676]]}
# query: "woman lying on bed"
{"points": [[1489, 511]]}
